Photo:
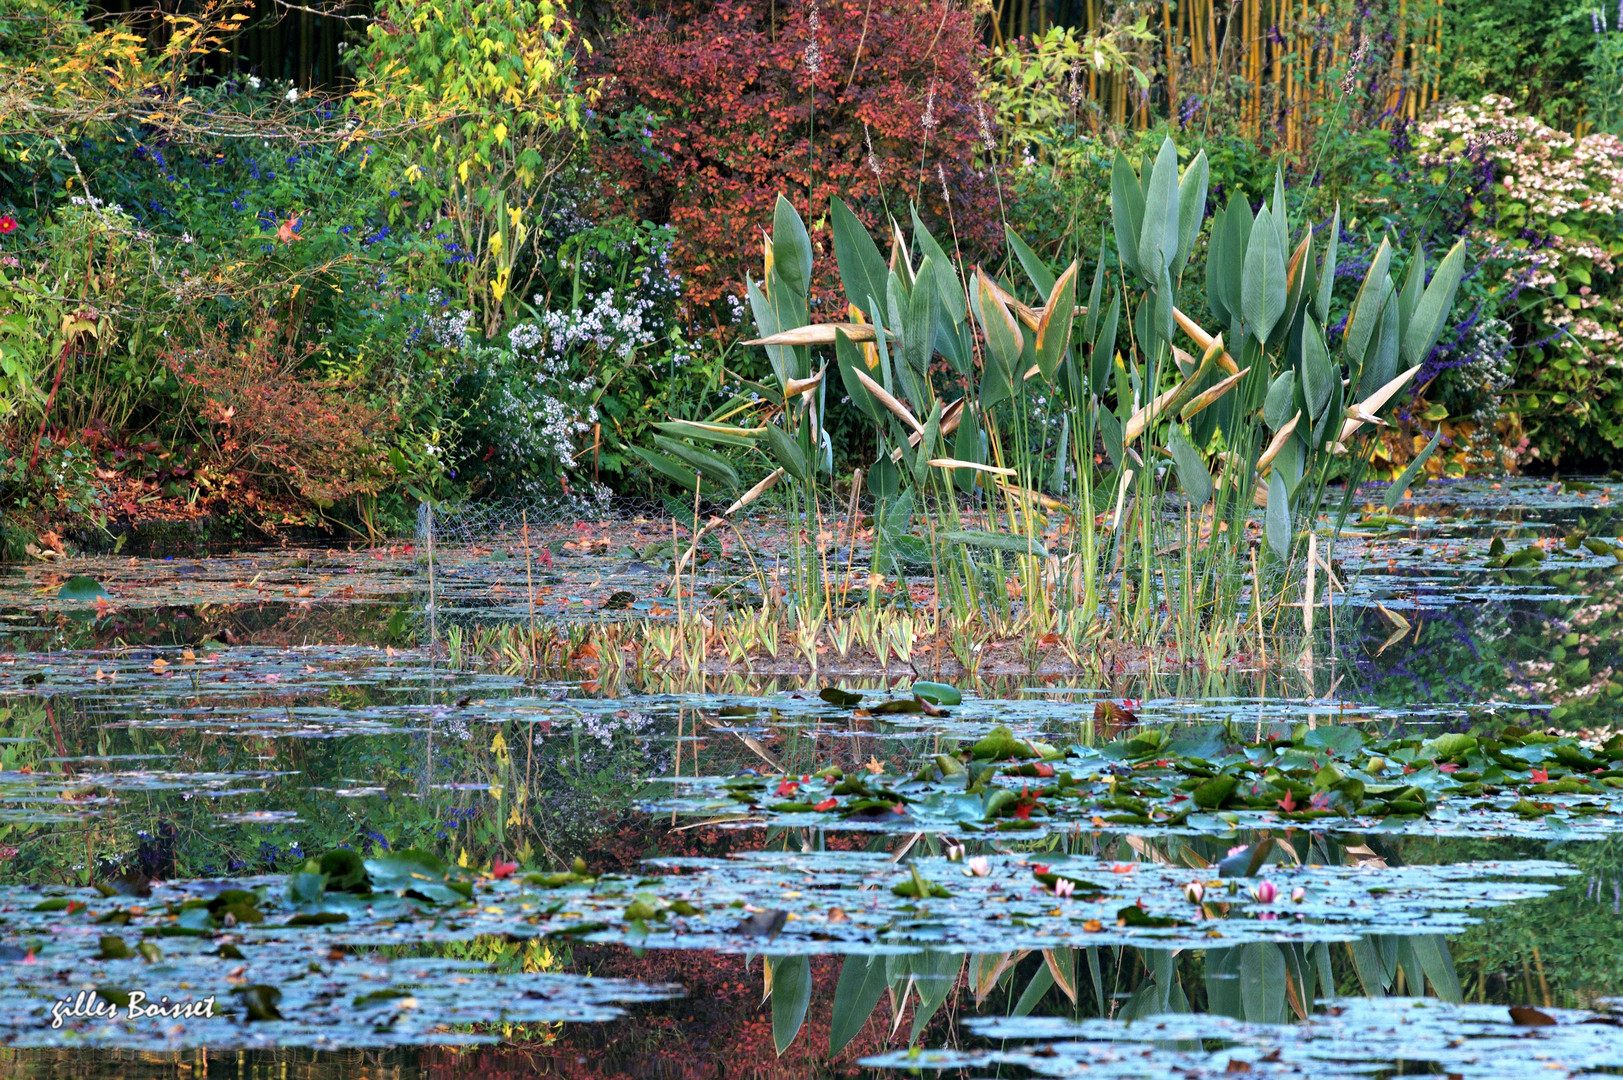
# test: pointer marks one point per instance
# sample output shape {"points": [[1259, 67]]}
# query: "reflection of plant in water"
{"points": [[1560, 949], [1559, 654]]}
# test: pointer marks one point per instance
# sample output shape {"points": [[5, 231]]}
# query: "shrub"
{"points": [[744, 99], [262, 424], [1551, 216]]}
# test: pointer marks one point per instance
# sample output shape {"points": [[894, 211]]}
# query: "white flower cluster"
{"points": [[605, 323], [538, 422]]}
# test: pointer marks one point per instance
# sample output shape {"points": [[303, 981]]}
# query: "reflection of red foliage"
{"points": [[729, 82], [720, 1028]]}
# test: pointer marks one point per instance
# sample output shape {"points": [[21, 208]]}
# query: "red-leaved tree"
{"points": [[873, 101]]}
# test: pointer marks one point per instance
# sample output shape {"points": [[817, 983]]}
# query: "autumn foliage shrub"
{"points": [[266, 428], [714, 108]]}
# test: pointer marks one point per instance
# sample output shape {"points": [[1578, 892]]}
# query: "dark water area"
{"points": [[196, 733]]}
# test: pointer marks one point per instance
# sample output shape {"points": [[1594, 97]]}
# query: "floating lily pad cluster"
{"points": [[1210, 780], [1355, 1037], [278, 962], [814, 903]]}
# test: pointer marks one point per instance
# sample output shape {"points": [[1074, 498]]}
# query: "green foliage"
{"points": [[491, 88], [1531, 51]]}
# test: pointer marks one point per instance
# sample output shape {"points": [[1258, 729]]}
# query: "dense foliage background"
{"points": [[502, 237]]}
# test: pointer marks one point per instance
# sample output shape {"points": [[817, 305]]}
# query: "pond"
{"points": [[265, 813]]}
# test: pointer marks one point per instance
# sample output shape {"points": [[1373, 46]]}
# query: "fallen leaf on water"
{"points": [[1527, 1016]]}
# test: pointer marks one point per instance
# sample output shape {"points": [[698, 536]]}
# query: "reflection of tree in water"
{"points": [[1562, 949]]}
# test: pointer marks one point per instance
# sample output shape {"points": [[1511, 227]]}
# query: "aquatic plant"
{"points": [[1052, 420]]}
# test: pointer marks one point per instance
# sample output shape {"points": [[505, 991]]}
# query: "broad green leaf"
{"points": [[1035, 989], [1281, 210], [948, 281], [1395, 490], [785, 449], [1262, 983], [1280, 404], [1414, 285], [862, 267], [927, 446], [1104, 348], [1191, 208], [1216, 261], [1366, 309], [1113, 436], [967, 447], [766, 324], [1004, 341], [1090, 321], [935, 974], [1126, 211], [791, 993], [849, 357], [1237, 228], [1223, 983], [862, 981], [1158, 235], [791, 247], [1042, 278], [1098, 980], [1262, 291], [721, 434], [1193, 476], [1054, 329], [1367, 965], [1319, 375], [998, 541], [1431, 950], [706, 463], [1429, 317], [668, 467], [1381, 358], [1327, 270], [919, 321], [1279, 515]]}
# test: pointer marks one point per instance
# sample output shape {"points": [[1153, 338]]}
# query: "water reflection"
{"points": [[235, 716]]}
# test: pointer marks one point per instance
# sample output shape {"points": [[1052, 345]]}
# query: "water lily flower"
{"points": [[1298, 894], [978, 867], [955, 851], [1266, 892], [1064, 887], [1194, 892]]}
